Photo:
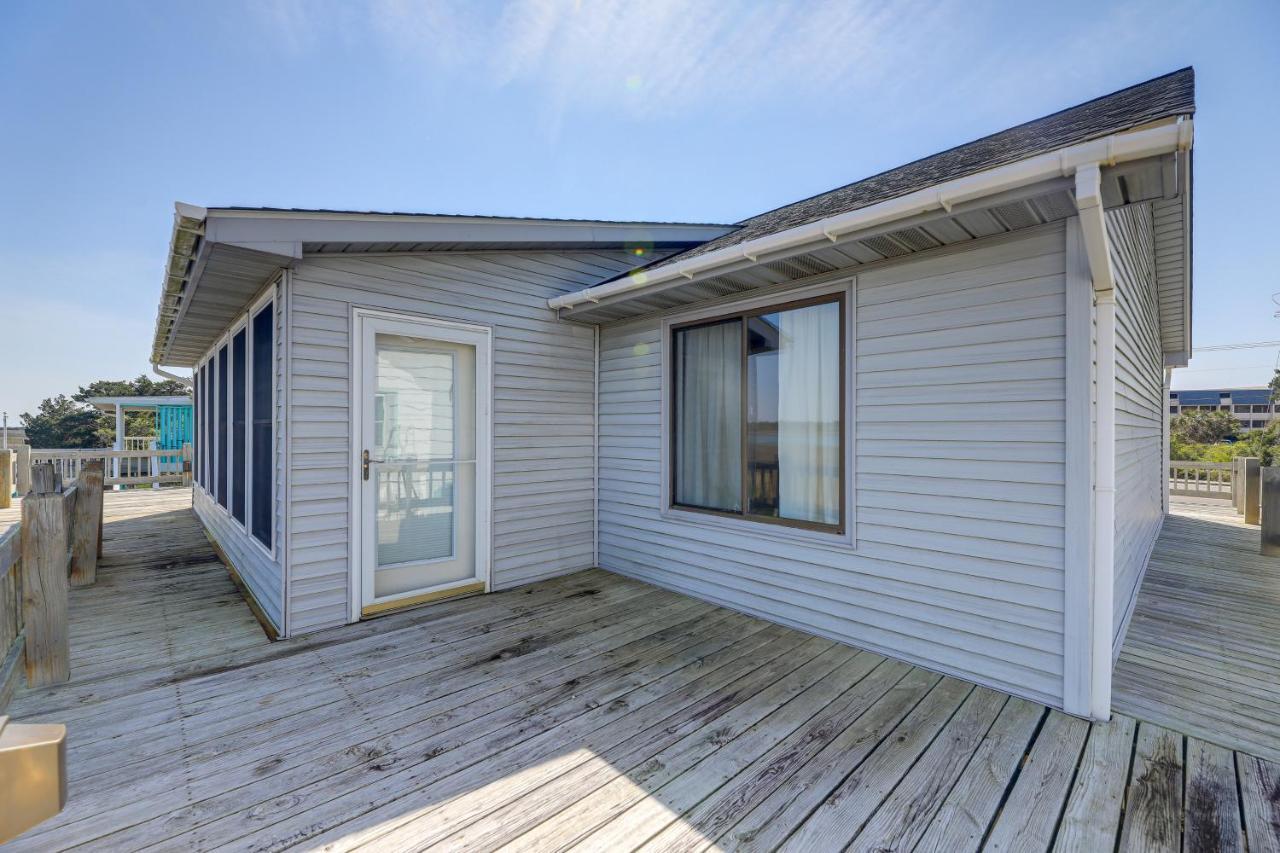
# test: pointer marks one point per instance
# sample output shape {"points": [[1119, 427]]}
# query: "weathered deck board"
{"points": [[590, 712], [1202, 655]]}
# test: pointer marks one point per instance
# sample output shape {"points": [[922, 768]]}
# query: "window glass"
{"points": [[757, 414], [793, 414], [708, 416], [224, 414], [263, 331], [238, 404]]}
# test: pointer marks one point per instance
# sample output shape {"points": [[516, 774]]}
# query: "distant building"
{"points": [[13, 436], [1251, 406]]}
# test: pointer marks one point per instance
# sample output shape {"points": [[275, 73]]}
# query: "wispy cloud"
{"points": [[650, 59]]}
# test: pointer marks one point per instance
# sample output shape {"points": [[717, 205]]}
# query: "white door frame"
{"points": [[431, 328]]}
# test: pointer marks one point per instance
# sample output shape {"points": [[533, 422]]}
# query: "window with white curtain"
{"points": [[757, 408]]}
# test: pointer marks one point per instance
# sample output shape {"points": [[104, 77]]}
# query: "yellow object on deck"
{"points": [[33, 777]]}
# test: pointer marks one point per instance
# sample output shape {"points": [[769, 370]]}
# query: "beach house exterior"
{"points": [[777, 415]]}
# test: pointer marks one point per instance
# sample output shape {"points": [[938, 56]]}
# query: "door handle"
{"points": [[365, 459]]}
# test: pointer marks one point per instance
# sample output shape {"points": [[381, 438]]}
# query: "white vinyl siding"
{"points": [[1140, 405], [959, 453], [543, 388]]}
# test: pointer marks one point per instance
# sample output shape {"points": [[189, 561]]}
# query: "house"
{"points": [[173, 425], [1251, 406], [776, 415]]}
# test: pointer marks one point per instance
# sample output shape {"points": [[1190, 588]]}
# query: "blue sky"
{"points": [[700, 111]]}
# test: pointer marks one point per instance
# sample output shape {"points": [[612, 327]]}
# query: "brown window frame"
{"points": [[742, 316]]}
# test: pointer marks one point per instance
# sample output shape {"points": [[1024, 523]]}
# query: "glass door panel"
{"points": [[418, 463]]}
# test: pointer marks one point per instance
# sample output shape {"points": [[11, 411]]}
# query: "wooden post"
{"points": [[1271, 511], [24, 468], [6, 478], [86, 523], [187, 457], [1237, 483], [44, 580], [1252, 490]]}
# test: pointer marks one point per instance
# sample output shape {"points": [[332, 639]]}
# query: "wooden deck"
{"points": [[589, 712], [1203, 650]]}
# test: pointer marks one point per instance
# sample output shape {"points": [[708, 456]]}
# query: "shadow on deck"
{"points": [[590, 711]]}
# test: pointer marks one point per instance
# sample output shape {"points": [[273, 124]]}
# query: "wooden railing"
{"points": [[139, 442], [56, 546], [1201, 479], [123, 467], [10, 612]]}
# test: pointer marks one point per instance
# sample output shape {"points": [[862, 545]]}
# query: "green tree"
{"points": [[62, 422], [1204, 427], [69, 422], [1274, 385]]}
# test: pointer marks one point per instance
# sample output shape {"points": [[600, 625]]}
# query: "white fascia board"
{"points": [[1109, 151], [235, 226]]}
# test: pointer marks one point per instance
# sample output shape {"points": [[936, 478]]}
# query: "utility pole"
{"points": [[5, 445]]}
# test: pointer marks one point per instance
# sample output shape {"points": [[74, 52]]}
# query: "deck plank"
{"points": [[1153, 816], [1092, 817], [1260, 797], [1212, 820]]}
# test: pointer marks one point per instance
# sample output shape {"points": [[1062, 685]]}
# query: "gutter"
{"points": [[184, 245], [160, 371], [1066, 162]]}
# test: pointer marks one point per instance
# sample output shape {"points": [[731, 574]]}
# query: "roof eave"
{"points": [[1109, 150]]}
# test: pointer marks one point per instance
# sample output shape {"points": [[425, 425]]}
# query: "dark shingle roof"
{"points": [[1170, 95]]}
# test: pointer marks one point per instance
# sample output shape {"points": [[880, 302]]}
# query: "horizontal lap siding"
{"points": [[543, 388], [257, 569], [959, 437], [1139, 402]]}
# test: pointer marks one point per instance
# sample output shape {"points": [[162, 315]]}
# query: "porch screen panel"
{"points": [[224, 415], [197, 446], [239, 368], [206, 426], [261, 487]]}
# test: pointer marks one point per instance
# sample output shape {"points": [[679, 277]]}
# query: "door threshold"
{"points": [[383, 607]]}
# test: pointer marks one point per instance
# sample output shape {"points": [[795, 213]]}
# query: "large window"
{"points": [[239, 350], [263, 332], [220, 474], [757, 411]]}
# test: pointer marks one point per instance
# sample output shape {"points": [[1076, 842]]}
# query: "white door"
{"points": [[422, 451]]}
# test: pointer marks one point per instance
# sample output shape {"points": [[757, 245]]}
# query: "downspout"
{"points": [[1093, 228], [595, 458], [1168, 382], [160, 371]]}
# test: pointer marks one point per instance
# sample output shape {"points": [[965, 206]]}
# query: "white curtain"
{"points": [[809, 413], [709, 416]]}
